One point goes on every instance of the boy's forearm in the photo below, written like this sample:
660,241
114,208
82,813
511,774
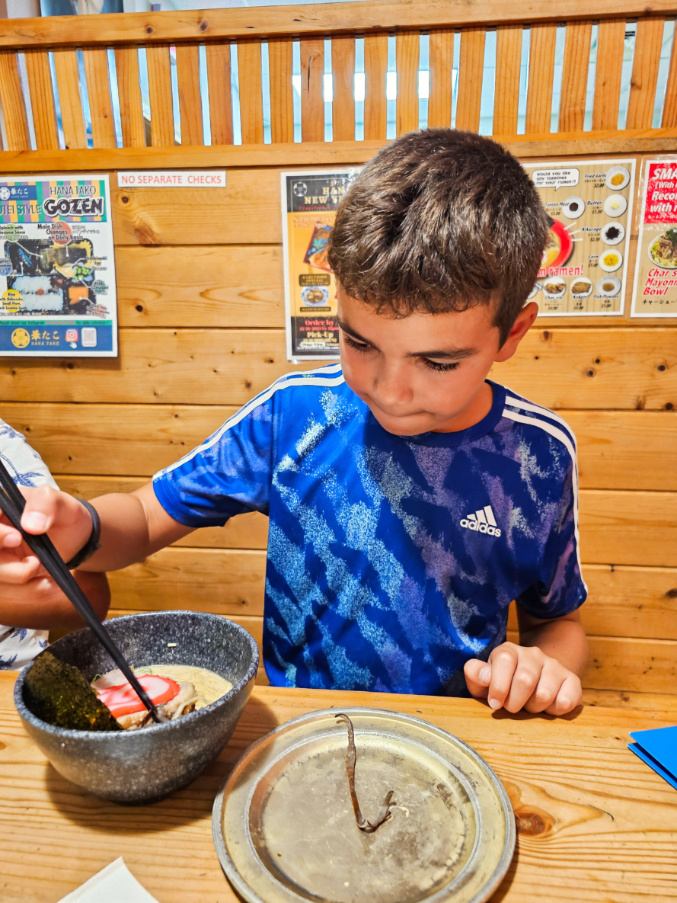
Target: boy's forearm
562,639
132,527
46,607
124,533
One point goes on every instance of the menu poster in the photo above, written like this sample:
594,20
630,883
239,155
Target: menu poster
589,206
309,202
57,269
655,289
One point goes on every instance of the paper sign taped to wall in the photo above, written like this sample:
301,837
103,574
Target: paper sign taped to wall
57,267
173,178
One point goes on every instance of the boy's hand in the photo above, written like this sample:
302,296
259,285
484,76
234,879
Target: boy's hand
40,604
47,510
523,677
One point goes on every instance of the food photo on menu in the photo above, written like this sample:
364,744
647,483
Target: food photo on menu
663,250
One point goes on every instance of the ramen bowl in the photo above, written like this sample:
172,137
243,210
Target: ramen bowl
145,765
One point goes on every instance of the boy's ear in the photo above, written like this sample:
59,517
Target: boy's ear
521,326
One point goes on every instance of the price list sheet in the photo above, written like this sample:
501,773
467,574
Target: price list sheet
589,207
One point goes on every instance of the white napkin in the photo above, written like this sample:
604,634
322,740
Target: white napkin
111,885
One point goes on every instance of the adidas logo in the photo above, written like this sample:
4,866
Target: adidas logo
483,521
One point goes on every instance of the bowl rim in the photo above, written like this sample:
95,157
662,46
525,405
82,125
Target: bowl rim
105,736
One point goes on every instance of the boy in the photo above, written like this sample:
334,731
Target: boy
410,500
47,607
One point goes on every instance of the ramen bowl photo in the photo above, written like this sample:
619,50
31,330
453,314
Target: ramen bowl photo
312,295
145,763
558,247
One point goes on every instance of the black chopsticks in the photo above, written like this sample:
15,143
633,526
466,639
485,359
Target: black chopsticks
12,504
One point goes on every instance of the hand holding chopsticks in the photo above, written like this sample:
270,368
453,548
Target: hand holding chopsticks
12,504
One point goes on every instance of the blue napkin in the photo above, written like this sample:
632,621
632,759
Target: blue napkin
658,748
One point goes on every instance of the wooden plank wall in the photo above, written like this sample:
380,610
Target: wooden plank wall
200,288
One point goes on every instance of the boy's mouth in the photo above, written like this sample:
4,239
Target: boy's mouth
377,409
400,424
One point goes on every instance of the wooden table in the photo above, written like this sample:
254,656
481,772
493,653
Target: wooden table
594,822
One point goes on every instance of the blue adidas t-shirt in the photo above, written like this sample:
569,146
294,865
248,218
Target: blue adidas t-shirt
391,560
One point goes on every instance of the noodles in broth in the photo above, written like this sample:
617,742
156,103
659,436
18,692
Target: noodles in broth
208,686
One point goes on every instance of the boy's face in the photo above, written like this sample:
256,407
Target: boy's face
424,372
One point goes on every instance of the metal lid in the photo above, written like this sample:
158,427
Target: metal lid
285,830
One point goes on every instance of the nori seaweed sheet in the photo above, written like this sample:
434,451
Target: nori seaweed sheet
59,694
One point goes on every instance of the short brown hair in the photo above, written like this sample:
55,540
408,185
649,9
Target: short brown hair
440,220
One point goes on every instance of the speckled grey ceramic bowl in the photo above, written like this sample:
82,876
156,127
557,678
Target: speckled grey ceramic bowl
145,765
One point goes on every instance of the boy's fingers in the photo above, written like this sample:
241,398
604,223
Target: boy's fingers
568,697
36,518
42,508
503,662
9,537
525,682
477,676
17,571
48,510
546,692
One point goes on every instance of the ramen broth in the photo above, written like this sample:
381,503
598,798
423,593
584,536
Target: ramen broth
552,249
208,686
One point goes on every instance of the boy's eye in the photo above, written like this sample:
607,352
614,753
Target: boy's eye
353,343
437,366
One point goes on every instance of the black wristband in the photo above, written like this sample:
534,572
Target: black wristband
92,543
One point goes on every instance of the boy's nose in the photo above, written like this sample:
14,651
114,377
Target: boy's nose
391,388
